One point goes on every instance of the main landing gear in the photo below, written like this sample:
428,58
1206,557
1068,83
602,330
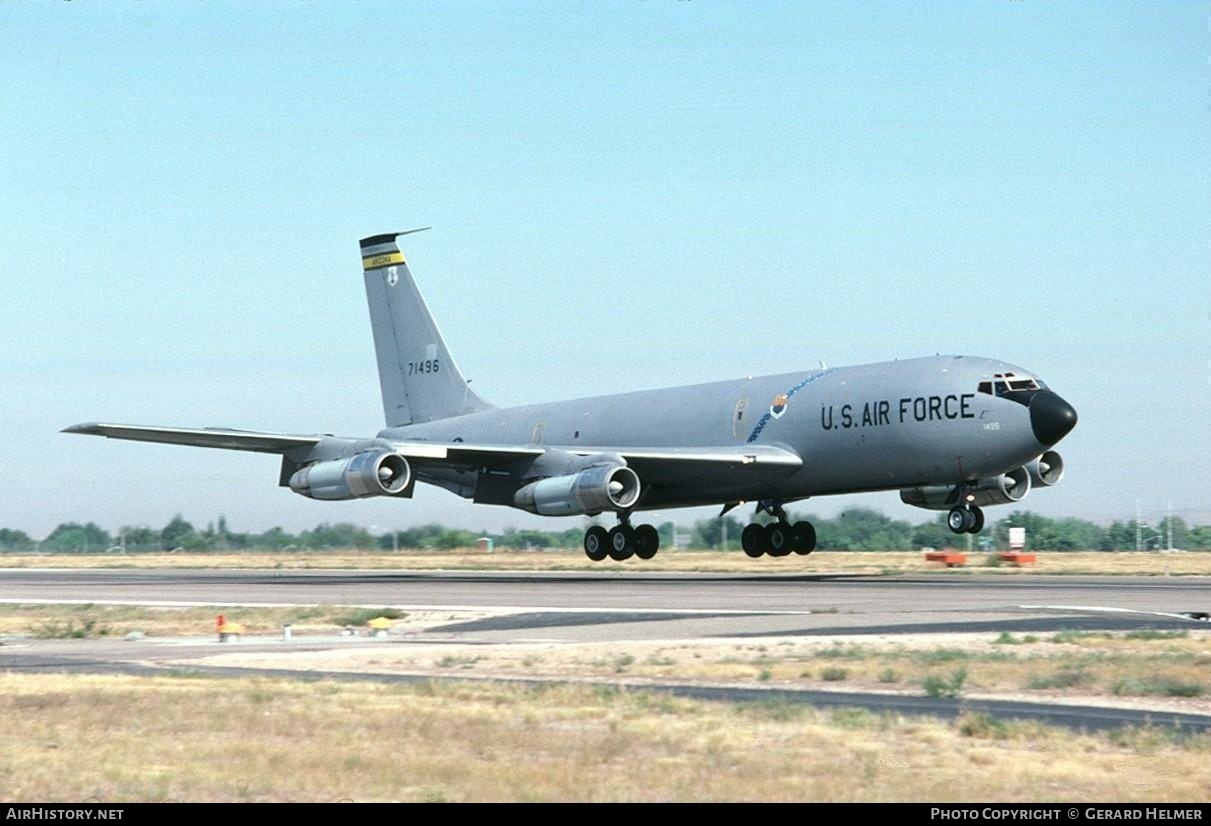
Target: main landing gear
621,541
965,519
777,538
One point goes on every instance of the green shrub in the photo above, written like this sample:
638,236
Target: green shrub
361,616
1159,685
1155,634
1064,678
946,687
982,726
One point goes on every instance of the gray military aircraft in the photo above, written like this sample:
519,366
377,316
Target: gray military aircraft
950,433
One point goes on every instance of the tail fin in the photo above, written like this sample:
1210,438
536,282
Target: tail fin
419,378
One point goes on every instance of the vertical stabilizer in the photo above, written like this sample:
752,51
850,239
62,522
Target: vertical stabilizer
419,378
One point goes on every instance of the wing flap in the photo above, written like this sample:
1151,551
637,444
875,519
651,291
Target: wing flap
711,467
764,455
660,465
497,456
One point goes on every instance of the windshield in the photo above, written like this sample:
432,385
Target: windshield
1009,385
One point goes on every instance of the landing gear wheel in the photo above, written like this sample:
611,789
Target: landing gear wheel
778,538
621,542
956,520
596,543
647,541
752,540
803,538
977,520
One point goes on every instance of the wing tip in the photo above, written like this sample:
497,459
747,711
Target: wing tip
85,428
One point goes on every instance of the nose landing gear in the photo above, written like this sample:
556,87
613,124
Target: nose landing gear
965,519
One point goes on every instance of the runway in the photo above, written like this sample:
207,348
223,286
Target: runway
495,608
609,605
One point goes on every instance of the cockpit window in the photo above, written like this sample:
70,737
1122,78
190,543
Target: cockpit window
1003,384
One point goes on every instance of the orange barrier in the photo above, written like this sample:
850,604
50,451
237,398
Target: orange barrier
1019,558
951,559
228,631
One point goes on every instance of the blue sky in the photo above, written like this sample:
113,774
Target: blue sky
624,195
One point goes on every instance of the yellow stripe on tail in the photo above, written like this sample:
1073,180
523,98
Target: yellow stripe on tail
385,260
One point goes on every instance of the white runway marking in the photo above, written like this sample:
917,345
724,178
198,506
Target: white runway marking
1105,609
493,609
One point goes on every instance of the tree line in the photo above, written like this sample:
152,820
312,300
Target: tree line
862,529
859,529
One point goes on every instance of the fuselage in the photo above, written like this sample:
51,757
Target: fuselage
890,425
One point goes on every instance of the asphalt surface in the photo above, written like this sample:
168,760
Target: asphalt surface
660,606
611,606
1080,717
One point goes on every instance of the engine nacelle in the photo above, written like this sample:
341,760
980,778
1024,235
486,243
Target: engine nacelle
1046,470
998,490
373,473
597,489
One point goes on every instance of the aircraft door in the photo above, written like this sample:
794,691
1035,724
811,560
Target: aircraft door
739,416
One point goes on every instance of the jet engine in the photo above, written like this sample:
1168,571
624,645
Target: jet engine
596,489
372,473
997,490
1046,470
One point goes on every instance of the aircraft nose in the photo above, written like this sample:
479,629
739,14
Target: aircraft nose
1050,417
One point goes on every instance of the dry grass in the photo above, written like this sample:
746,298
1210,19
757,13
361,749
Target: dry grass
1196,563
52,621
1100,668
175,738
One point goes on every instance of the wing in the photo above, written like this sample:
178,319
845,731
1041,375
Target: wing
655,465
199,437
453,454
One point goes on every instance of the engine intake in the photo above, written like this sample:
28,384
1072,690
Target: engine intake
997,490
597,489
1046,470
373,473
